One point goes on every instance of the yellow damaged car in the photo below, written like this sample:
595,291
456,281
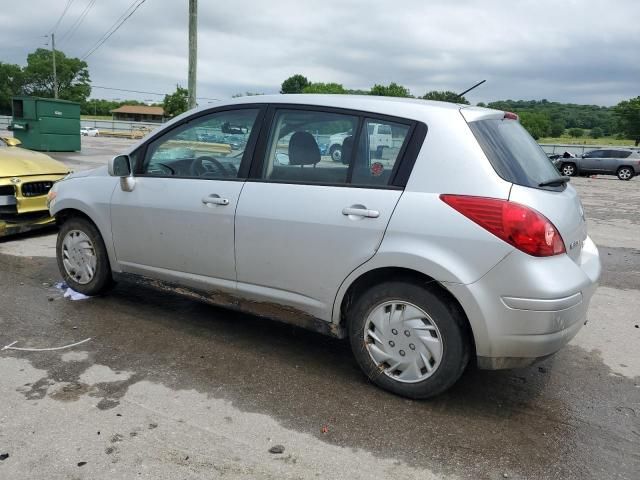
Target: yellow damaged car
25,179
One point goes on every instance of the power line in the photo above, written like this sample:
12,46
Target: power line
114,28
144,92
111,29
64,12
74,27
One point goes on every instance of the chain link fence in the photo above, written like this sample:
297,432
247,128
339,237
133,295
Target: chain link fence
130,128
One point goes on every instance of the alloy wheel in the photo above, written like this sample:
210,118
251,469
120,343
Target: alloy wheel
624,174
568,170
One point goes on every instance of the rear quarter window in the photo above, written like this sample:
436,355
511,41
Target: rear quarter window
513,153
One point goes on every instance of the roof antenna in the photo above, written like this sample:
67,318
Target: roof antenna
469,89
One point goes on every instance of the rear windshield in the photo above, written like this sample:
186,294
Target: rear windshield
513,153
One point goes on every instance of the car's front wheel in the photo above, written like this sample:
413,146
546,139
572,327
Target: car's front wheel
408,338
625,173
568,169
82,257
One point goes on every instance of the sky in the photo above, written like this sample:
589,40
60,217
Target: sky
579,51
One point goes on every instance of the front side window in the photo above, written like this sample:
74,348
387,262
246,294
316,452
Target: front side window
310,147
211,146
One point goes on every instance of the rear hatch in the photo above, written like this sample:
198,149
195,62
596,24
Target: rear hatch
517,158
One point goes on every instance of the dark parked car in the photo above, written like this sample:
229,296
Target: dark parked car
623,163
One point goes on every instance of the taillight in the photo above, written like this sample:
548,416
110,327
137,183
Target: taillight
511,116
523,227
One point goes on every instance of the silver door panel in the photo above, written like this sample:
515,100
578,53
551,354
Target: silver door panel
295,244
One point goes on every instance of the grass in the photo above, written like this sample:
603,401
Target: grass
567,140
95,117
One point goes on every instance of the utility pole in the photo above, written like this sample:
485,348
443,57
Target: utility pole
193,51
55,75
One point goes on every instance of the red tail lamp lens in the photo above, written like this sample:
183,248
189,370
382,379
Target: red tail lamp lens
511,116
523,227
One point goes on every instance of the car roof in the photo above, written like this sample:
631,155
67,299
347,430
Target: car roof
395,106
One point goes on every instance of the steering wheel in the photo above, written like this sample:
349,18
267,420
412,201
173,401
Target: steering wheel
198,169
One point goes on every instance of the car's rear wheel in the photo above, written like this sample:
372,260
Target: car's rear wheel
336,153
408,339
568,169
625,173
82,257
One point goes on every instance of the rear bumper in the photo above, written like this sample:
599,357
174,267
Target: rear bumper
528,308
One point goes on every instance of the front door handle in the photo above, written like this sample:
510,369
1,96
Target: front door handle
360,212
215,199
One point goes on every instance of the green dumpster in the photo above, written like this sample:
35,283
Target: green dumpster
46,124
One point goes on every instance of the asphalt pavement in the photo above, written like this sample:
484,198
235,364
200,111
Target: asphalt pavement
170,388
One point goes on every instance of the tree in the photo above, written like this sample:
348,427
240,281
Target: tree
177,102
391,90
628,115
73,76
481,104
537,124
596,132
294,84
557,128
445,96
576,132
324,88
11,80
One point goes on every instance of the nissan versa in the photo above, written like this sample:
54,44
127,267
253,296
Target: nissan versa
456,242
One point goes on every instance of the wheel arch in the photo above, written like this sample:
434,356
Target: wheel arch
65,212
372,277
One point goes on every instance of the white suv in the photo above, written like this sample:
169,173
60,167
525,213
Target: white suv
380,137
462,245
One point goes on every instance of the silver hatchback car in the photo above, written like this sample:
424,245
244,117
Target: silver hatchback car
455,243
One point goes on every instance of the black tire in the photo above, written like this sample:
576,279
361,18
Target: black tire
102,279
568,169
336,153
625,173
445,314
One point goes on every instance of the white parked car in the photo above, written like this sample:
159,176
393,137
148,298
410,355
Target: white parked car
89,132
379,138
463,246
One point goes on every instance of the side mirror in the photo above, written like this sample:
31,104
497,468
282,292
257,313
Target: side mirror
120,166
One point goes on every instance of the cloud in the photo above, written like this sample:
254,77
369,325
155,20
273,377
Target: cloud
579,51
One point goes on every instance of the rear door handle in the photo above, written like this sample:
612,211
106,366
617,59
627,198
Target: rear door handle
360,212
215,199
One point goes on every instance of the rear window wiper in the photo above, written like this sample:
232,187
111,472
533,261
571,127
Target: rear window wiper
555,182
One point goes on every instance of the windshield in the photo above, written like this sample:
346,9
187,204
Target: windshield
513,153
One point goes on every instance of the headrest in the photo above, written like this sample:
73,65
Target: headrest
303,149
347,149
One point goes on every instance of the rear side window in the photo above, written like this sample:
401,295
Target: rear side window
622,154
310,147
378,153
513,153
